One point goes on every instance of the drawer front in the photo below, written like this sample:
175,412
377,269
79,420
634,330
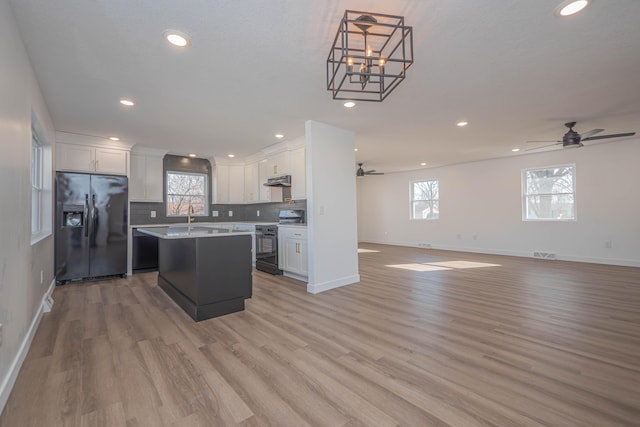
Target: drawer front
293,233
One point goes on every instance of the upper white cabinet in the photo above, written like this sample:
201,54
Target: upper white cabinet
278,164
236,184
298,174
228,183
146,177
81,153
243,181
252,182
80,158
268,194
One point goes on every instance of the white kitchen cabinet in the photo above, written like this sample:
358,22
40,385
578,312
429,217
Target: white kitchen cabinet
85,158
267,194
298,174
146,176
252,183
293,251
228,181
236,184
278,164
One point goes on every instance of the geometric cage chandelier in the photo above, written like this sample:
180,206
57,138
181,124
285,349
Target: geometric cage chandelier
369,57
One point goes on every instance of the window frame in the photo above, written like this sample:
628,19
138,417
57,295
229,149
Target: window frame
205,194
42,212
525,194
37,169
412,200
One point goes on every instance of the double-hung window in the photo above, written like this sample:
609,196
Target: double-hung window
548,194
187,191
425,200
36,185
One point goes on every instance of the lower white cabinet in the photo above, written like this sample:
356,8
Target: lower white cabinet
293,250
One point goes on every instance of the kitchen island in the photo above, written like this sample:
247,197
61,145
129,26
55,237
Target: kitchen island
206,270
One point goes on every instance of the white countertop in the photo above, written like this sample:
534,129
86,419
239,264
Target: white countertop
292,225
189,231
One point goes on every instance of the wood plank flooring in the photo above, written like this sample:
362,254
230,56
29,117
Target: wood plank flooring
428,338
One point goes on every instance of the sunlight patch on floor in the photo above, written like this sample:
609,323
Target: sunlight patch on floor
418,267
364,251
445,265
463,264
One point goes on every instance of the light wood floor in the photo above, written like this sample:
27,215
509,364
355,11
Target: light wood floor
447,339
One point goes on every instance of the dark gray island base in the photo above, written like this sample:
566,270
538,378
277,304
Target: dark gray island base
206,276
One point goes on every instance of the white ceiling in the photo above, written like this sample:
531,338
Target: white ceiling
514,70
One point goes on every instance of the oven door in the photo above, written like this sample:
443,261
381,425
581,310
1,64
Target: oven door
266,248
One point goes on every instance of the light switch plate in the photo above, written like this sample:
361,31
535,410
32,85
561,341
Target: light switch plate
258,212
214,213
230,213
153,214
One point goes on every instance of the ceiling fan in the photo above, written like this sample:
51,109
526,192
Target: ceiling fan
575,139
362,172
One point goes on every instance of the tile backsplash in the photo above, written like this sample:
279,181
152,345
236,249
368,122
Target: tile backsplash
140,212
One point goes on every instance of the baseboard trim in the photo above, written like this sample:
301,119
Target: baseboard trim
316,288
14,369
525,254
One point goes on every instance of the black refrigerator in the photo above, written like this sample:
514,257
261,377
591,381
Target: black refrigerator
91,226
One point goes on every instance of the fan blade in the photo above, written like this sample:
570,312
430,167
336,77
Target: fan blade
548,140
544,146
617,135
591,132
374,173
371,171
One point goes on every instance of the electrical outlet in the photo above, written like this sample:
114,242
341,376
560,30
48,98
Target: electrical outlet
475,237
153,214
459,236
607,244
258,212
230,213
214,213
41,277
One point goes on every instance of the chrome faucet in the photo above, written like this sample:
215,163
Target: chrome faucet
190,211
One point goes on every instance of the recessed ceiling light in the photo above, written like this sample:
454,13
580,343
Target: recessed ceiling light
192,155
279,135
114,138
515,150
349,104
423,164
355,149
127,102
462,124
231,155
570,7
177,38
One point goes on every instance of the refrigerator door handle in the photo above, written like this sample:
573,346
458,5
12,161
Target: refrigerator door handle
93,214
85,215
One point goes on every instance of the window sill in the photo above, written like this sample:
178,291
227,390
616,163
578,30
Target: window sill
35,238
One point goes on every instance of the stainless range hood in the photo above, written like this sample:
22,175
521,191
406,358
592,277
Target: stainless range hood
279,181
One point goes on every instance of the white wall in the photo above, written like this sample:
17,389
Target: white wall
331,207
483,199
21,292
